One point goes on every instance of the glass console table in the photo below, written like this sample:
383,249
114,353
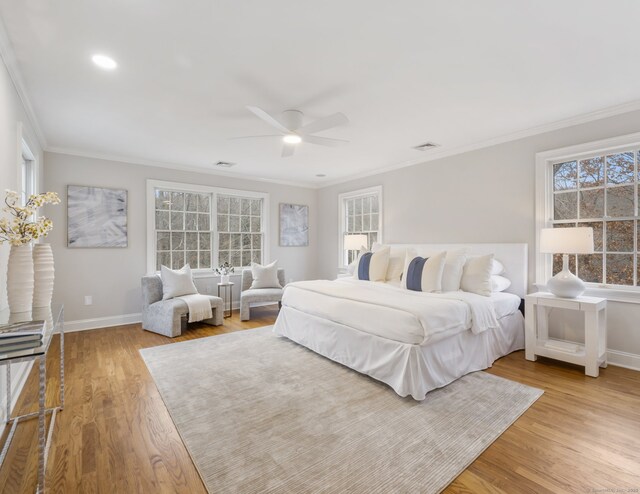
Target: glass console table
53,318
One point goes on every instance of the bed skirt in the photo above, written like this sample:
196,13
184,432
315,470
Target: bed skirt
411,370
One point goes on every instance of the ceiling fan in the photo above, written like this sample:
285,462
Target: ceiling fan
292,132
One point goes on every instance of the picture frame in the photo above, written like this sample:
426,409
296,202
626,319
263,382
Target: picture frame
294,225
96,217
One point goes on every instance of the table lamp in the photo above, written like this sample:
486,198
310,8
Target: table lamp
355,241
566,241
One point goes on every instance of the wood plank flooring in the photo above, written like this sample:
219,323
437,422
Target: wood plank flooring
115,434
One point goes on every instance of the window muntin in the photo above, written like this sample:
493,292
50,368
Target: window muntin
183,229
600,191
239,231
206,227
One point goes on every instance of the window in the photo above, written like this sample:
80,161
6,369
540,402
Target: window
239,230
595,188
27,173
360,213
204,226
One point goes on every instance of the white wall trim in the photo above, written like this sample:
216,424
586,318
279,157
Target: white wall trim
433,155
513,136
101,322
10,61
151,243
209,169
623,359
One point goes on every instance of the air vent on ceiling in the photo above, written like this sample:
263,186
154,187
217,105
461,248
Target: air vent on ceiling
426,146
225,164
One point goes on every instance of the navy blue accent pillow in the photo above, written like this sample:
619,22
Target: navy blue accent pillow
414,273
363,266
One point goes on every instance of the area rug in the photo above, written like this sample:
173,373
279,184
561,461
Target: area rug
261,414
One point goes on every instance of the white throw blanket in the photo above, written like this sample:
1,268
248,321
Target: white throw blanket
395,313
199,307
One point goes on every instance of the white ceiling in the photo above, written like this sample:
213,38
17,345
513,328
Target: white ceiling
405,72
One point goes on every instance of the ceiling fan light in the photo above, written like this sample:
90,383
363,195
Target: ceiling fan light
292,139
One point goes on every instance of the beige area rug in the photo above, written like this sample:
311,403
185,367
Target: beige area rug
261,414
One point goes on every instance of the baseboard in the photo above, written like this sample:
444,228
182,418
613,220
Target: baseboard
101,322
121,320
623,359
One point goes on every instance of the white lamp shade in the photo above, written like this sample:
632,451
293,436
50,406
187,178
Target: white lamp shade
354,242
566,240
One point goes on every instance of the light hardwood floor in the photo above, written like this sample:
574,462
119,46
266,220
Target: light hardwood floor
115,434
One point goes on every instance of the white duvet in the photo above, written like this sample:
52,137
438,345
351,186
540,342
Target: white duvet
392,312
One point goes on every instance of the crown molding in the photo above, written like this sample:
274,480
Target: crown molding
11,63
175,166
513,136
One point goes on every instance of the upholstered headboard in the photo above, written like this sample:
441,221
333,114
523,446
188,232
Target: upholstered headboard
512,256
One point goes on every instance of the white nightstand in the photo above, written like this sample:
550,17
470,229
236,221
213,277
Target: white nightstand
593,354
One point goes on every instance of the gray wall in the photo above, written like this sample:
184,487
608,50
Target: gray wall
480,196
112,276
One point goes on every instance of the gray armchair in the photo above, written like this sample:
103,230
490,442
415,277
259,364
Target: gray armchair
169,317
257,295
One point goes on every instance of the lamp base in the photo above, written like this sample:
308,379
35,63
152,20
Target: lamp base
566,284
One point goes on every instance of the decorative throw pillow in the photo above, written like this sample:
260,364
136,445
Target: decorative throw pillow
265,276
396,262
423,274
372,266
177,282
499,283
476,277
453,267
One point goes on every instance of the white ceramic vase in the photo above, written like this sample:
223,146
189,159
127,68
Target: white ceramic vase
20,278
44,274
224,279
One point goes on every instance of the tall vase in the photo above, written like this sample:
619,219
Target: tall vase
43,275
20,278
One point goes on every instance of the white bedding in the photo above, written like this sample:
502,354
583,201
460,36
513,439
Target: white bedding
395,313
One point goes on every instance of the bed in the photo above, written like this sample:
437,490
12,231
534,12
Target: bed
413,341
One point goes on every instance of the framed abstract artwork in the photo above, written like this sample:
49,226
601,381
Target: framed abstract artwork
96,217
294,225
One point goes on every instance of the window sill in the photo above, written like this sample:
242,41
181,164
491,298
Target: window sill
623,296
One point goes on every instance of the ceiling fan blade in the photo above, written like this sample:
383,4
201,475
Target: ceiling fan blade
288,149
254,137
324,123
263,115
324,141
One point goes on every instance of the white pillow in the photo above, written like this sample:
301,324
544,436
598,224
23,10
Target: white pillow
177,282
265,276
499,283
352,267
497,267
372,266
396,262
476,276
423,274
453,267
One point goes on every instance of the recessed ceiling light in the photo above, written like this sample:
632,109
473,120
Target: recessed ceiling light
104,62
320,175
292,139
225,164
